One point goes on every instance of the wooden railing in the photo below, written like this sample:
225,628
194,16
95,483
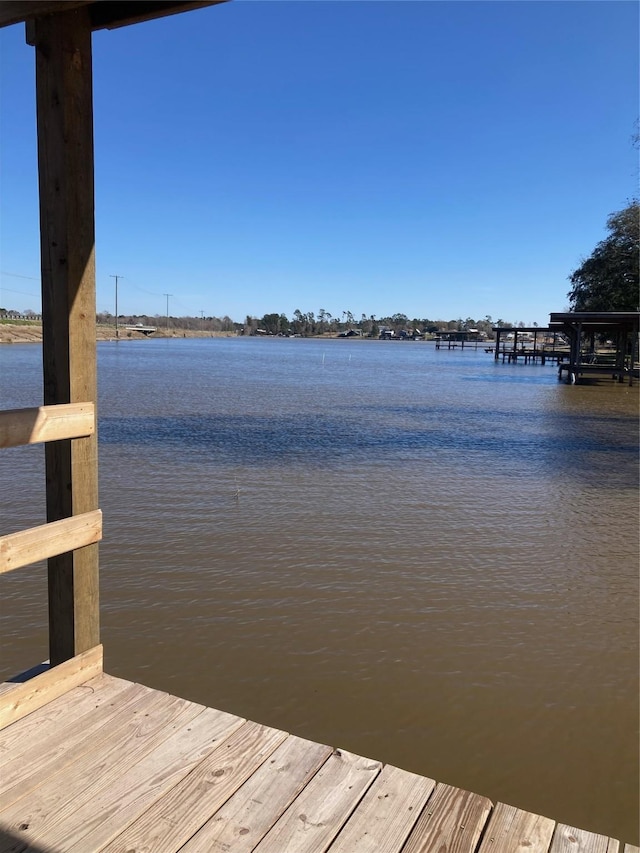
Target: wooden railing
46,423
62,423
32,426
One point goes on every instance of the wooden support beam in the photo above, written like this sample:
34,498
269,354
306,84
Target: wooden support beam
21,698
121,13
46,423
49,540
103,13
65,165
15,11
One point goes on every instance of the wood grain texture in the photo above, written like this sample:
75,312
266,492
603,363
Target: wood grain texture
96,818
49,540
174,818
570,839
59,719
115,767
51,719
46,812
25,698
511,830
251,812
452,820
387,813
64,108
46,423
314,819
47,756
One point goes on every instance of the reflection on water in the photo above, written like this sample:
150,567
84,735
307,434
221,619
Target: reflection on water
421,556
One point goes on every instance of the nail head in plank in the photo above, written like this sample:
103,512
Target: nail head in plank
385,817
94,820
182,811
314,819
48,815
54,714
570,839
251,812
511,830
47,756
452,820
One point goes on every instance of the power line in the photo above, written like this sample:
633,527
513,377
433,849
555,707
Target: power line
17,275
21,292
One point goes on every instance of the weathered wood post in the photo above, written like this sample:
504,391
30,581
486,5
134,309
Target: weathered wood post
64,106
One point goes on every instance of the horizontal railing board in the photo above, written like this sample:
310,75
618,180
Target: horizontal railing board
49,540
24,698
46,423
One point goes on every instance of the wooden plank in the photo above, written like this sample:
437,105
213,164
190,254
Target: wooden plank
452,820
59,714
149,724
46,423
48,540
6,686
184,809
385,817
46,756
251,812
50,717
28,697
96,816
569,839
511,830
314,819
64,108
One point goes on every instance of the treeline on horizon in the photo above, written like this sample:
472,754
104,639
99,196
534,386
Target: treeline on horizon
608,280
309,324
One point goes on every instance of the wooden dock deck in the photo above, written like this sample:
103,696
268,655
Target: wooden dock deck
112,766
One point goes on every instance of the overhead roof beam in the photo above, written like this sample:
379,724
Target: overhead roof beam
103,14
121,13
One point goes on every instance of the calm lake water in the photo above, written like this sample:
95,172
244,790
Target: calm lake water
424,557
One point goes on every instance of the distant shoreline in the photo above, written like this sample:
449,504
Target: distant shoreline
31,333
25,333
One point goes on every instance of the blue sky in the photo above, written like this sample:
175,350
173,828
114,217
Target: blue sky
438,159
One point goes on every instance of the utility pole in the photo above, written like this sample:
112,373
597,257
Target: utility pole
167,295
202,320
116,278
